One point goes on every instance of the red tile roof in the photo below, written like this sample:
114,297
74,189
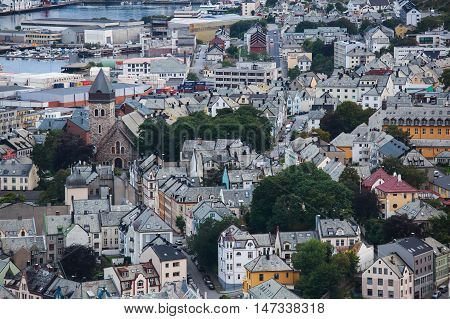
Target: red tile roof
378,174
394,185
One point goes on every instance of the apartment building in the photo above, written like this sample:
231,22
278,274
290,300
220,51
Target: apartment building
18,175
388,277
170,264
245,73
350,54
418,255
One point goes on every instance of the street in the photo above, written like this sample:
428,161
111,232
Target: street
199,59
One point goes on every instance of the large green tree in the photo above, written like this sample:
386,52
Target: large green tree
346,118
204,243
79,263
246,123
60,150
322,272
292,199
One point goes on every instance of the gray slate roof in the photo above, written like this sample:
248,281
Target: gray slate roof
271,289
267,263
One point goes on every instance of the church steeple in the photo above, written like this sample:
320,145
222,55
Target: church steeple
101,90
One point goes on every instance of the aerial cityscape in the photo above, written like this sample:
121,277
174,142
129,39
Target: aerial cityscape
224,149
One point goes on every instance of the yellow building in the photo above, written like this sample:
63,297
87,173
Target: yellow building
267,267
428,127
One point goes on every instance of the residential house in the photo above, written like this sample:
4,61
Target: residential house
236,248
419,256
271,289
441,261
134,280
169,263
268,266
388,277
31,282
138,228
342,234
7,270
207,208
18,174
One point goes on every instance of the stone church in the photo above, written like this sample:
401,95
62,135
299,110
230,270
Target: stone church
113,140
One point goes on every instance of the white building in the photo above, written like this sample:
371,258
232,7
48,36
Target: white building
154,71
249,7
245,73
389,277
236,248
350,54
409,13
138,229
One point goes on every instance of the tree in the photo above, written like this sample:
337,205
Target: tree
53,188
414,177
329,7
365,206
445,78
429,23
204,243
60,150
292,199
392,23
180,223
344,23
322,56
322,272
346,118
440,228
79,263
339,7
12,198
307,25
310,255
192,77
398,226
246,123
293,73
398,134
350,179
322,134
365,24
233,52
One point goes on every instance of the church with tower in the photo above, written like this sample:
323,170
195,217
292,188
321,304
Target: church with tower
113,140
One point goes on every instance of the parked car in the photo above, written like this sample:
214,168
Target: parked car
436,294
443,288
200,268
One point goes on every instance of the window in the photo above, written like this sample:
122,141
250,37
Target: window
261,277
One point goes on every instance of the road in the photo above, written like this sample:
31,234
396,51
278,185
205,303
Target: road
197,276
198,64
